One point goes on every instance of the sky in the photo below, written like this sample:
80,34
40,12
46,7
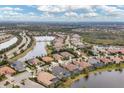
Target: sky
64,13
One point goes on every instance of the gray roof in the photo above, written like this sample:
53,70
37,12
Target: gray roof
61,72
93,61
19,66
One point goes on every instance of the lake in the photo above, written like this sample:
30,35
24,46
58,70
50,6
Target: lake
39,49
113,79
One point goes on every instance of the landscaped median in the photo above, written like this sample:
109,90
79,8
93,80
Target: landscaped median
110,67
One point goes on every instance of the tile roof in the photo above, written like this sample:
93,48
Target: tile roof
47,59
116,59
105,60
19,66
33,61
82,64
45,78
6,70
57,70
70,67
57,57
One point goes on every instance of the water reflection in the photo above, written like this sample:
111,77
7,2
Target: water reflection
113,79
39,49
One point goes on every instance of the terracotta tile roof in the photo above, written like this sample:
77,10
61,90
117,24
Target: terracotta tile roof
66,54
112,51
70,67
105,60
116,59
57,57
121,51
45,78
82,64
47,59
6,70
122,57
116,51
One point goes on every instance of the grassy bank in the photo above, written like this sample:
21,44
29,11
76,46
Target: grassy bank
68,83
25,52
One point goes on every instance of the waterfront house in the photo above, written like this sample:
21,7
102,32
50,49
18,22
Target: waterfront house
121,51
19,66
72,68
82,65
122,57
116,59
60,72
105,60
95,62
5,70
47,79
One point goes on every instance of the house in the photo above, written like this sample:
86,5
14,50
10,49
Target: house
71,67
57,57
5,70
33,61
19,66
47,79
121,51
116,59
95,62
60,72
82,64
66,54
122,57
105,60
112,51
47,59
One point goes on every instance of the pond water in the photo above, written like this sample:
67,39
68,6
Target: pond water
8,43
113,79
39,49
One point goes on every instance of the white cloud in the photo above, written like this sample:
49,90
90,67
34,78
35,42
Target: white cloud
45,8
93,14
71,14
10,9
62,8
112,10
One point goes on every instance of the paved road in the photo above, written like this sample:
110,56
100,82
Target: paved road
17,79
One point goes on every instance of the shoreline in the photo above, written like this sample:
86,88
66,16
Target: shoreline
68,83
